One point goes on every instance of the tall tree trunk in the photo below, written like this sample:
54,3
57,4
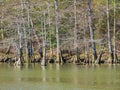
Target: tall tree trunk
85,41
111,57
29,40
91,31
41,46
2,35
57,33
75,33
23,25
1,25
51,53
21,58
75,25
115,53
19,49
30,45
44,42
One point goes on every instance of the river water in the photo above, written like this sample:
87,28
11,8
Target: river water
60,77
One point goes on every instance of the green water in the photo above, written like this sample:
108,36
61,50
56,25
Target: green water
60,77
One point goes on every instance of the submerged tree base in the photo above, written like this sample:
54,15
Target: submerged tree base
65,58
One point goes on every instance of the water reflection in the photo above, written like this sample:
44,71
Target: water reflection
43,73
66,76
57,75
29,65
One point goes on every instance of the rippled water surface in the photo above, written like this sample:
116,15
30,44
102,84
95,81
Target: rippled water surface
60,77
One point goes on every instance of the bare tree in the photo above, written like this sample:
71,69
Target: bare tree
21,58
57,32
75,33
91,31
75,25
1,21
49,16
115,53
85,40
23,25
111,57
2,16
29,45
19,48
44,42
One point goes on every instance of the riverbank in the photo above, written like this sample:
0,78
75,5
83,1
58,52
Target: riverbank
66,58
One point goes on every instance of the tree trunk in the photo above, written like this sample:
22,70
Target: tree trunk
111,57
115,53
44,42
98,61
21,58
30,45
29,40
85,41
57,33
75,25
41,47
91,31
75,34
2,17
23,25
51,53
